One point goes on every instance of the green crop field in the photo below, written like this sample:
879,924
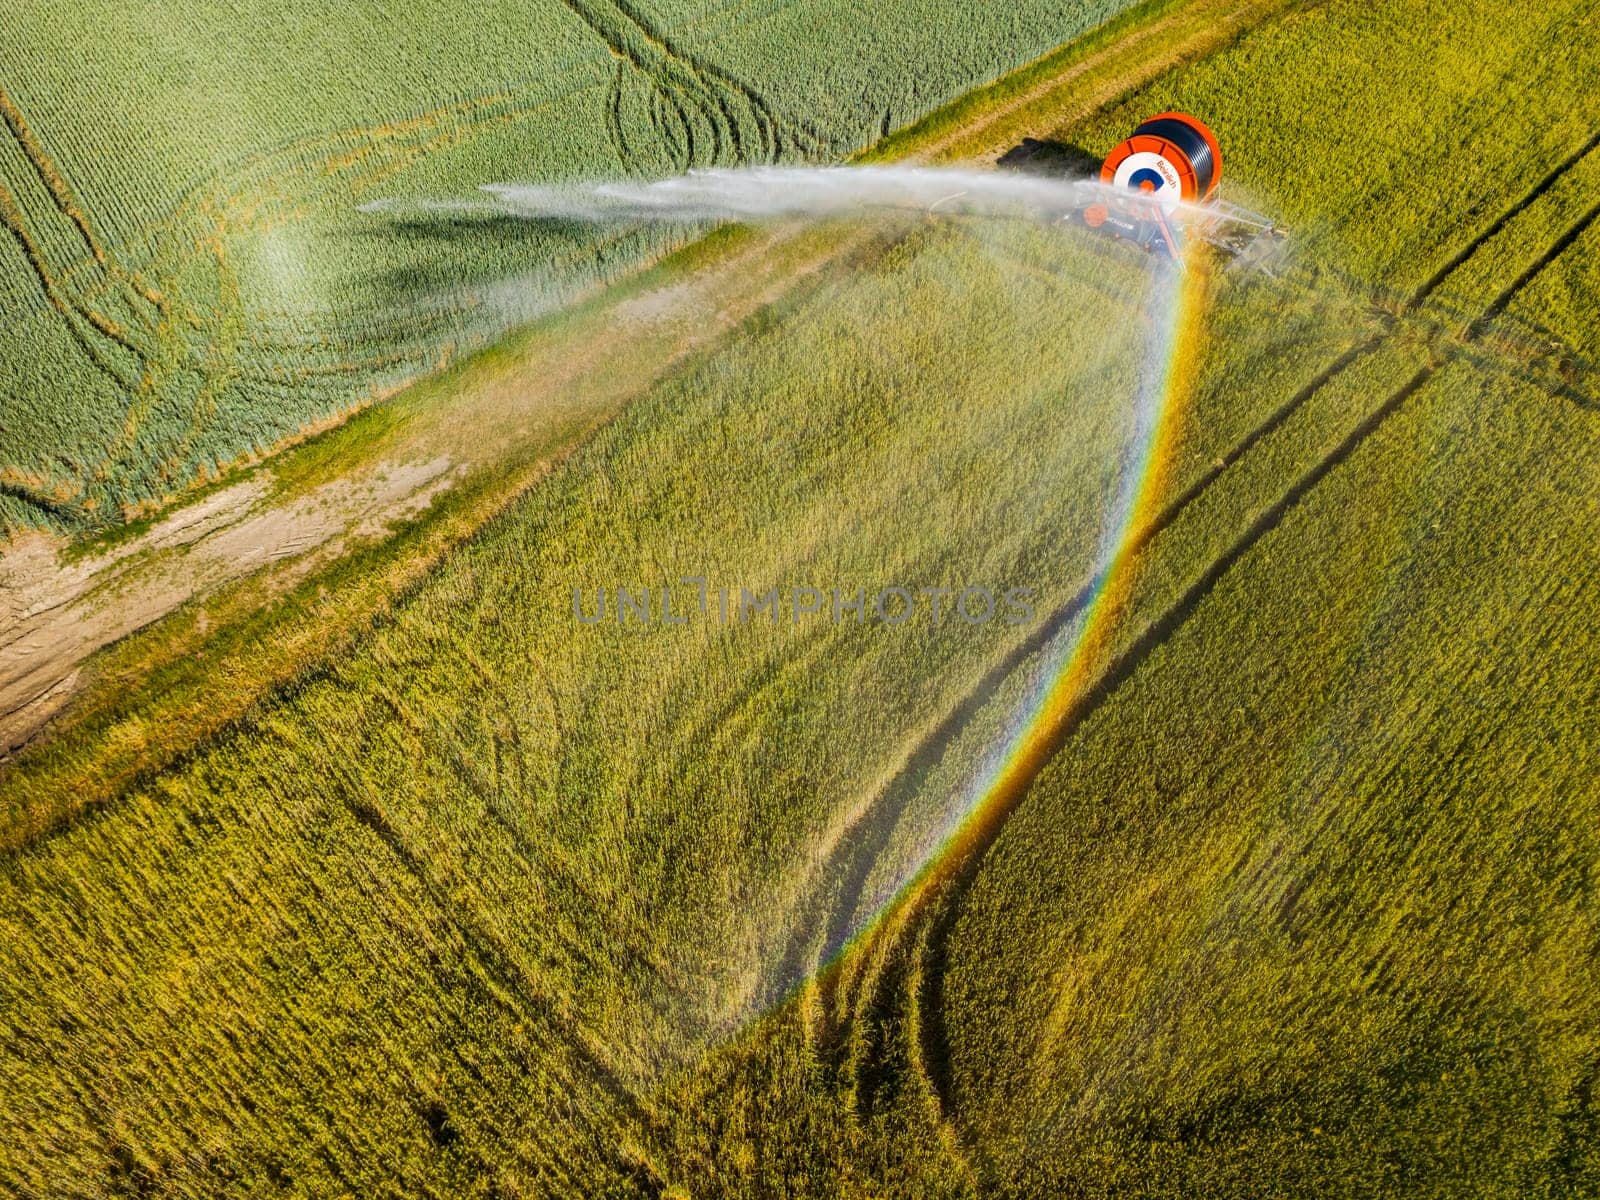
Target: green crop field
1256,857
187,279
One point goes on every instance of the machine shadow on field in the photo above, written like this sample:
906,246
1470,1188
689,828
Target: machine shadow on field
1045,156
446,253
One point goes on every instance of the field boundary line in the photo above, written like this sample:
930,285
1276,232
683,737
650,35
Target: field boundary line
966,116
1051,82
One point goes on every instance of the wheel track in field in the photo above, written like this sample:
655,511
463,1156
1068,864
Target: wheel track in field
128,352
87,326
511,986
686,94
1476,329
135,355
924,928
1496,227
64,201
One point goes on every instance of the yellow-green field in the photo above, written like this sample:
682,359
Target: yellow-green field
1259,861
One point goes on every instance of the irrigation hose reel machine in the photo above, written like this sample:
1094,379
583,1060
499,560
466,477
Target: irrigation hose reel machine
1164,183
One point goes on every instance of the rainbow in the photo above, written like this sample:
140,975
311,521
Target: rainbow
1176,331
